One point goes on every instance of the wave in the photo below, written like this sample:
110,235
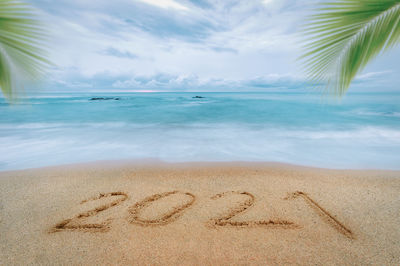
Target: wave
290,128
362,147
375,113
360,132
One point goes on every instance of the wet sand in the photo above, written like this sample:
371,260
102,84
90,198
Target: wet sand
154,213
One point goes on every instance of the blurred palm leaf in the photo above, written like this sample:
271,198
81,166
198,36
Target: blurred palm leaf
343,36
22,56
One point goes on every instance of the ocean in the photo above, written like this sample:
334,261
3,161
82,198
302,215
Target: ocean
360,131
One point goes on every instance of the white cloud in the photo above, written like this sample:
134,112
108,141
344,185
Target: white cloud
168,82
165,4
267,2
372,75
257,44
227,41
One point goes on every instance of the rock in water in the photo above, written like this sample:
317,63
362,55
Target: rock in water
104,99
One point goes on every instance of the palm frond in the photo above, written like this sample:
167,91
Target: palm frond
343,36
22,53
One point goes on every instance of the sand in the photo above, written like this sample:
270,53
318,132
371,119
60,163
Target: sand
235,213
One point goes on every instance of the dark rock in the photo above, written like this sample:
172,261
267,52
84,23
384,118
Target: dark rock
104,99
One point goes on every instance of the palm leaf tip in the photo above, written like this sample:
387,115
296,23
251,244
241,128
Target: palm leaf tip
22,56
342,37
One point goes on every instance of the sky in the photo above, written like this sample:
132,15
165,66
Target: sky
186,45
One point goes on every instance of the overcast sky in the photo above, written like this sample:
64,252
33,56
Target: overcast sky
186,45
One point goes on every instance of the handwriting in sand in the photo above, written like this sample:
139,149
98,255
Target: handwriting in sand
170,216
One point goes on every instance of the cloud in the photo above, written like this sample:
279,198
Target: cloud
267,2
165,4
372,75
224,50
168,82
118,53
207,44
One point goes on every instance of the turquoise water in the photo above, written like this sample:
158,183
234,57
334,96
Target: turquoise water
361,131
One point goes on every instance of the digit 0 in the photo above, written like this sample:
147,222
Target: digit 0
167,218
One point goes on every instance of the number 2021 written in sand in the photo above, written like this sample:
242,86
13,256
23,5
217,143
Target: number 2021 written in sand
134,213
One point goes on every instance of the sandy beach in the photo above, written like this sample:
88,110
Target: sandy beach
154,213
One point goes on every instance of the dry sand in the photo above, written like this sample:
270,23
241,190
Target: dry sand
199,214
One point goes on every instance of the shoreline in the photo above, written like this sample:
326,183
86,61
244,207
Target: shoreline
225,213
155,161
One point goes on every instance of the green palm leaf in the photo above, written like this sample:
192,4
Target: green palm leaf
343,36
22,56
